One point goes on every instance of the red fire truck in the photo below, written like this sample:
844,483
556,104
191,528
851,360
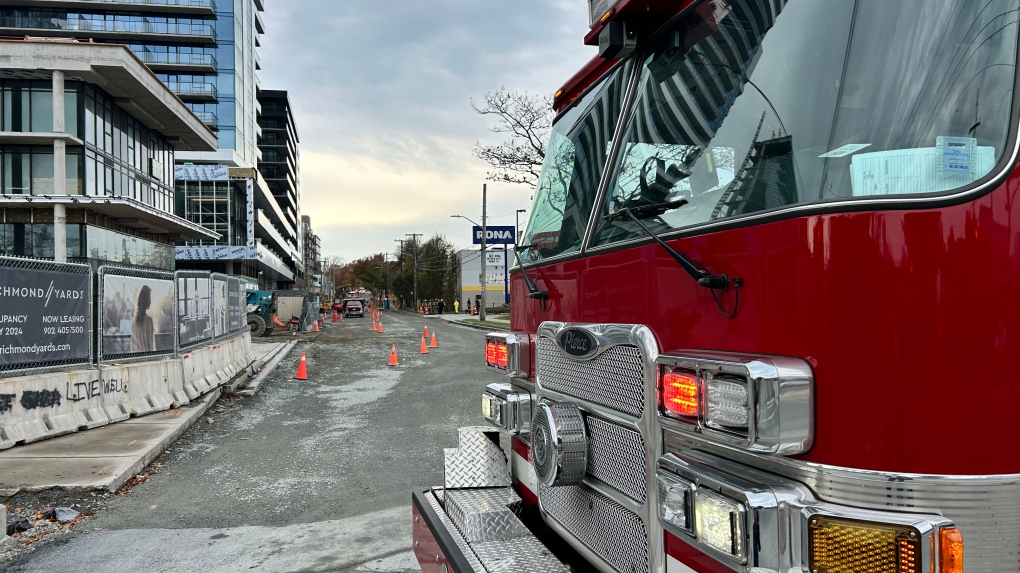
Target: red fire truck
764,313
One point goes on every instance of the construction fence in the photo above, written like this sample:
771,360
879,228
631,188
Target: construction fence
60,316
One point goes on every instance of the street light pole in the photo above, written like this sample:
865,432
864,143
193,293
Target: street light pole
481,312
414,256
517,227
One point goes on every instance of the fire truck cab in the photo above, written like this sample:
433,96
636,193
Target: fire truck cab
764,315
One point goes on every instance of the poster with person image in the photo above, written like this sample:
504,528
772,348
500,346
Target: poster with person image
138,315
194,309
219,288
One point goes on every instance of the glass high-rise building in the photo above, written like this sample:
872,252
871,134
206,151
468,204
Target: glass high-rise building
205,51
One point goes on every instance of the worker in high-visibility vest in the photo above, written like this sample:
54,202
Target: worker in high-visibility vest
456,307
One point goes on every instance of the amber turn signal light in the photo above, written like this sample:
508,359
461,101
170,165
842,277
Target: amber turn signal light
950,550
842,545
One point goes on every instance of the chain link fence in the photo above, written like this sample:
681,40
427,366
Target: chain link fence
194,308
137,318
46,311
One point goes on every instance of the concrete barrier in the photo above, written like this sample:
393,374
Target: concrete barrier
43,406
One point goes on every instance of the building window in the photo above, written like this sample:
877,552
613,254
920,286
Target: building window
124,158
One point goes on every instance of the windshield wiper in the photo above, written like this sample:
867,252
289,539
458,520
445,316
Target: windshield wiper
533,291
700,274
646,211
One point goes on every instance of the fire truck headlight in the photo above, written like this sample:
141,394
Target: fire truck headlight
719,523
726,402
506,408
492,409
676,497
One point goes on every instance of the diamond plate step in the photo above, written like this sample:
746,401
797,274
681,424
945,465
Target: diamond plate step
477,461
485,514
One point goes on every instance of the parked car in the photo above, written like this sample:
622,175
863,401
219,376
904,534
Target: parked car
354,308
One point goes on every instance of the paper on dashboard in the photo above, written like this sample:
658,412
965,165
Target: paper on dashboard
920,170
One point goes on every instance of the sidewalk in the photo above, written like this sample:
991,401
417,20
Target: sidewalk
493,322
106,458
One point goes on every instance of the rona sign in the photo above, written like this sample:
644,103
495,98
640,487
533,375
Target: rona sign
494,235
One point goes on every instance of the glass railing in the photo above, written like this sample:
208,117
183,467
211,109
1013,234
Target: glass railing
78,23
193,89
207,117
175,59
184,3
110,246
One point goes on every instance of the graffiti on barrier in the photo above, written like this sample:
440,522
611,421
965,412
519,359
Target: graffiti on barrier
31,399
80,391
115,387
6,402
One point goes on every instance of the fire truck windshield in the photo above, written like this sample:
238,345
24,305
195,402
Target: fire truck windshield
574,160
748,107
742,110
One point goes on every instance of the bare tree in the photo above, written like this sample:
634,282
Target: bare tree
526,120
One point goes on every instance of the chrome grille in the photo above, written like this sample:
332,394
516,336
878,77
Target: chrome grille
613,379
610,530
616,456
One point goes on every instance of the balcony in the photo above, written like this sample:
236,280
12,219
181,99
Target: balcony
176,62
196,91
78,26
203,7
209,118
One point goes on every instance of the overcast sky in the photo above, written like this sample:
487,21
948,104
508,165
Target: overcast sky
382,91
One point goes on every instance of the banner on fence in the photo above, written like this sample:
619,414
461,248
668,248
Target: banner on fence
138,315
219,293
237,299
194,308
45,314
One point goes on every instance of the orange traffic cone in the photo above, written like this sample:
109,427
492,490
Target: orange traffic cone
433,345
302,369
424,348
393,356
373,325
380,327
426,335
334,316
316,329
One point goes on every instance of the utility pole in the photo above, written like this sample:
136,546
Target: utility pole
401,259
414,256
481,311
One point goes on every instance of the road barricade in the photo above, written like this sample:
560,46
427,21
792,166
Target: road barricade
47,405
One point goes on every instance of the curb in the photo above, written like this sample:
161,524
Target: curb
464,323
203,406
271,362
484,327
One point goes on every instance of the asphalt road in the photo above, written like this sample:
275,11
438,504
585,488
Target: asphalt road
304,476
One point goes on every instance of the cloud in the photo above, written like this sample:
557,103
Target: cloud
382,92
